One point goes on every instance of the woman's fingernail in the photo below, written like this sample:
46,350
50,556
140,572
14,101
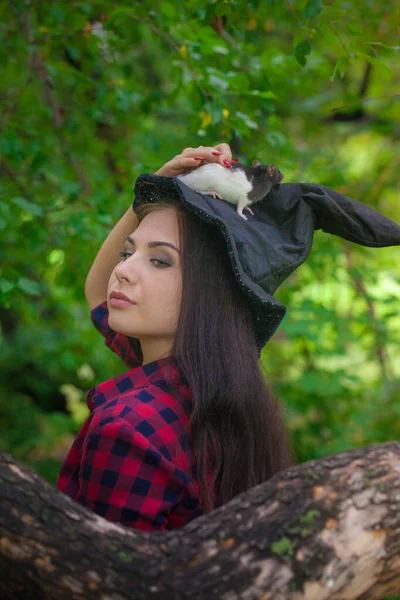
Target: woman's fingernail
228,164
198,158
235,160
216,153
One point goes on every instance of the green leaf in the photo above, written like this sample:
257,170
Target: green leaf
393,49
58,13
276,138
218,82
220,50
74,52
341,66
312,9
222,9
28,286
70,187
27,206
249,122
301,51
354,27
5,286
85,8
168,9
268,95
56,257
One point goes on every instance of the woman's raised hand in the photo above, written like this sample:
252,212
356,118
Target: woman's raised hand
190,158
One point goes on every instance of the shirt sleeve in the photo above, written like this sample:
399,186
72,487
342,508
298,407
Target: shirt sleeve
127,348
126,479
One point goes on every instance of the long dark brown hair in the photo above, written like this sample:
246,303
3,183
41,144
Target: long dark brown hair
237,427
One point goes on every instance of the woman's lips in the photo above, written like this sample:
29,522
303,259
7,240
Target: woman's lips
119,300
120,303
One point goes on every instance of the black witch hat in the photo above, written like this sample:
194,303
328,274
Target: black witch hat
270,245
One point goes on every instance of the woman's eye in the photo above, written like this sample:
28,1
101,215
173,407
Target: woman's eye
161,263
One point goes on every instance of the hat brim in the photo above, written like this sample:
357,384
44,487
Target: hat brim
267,311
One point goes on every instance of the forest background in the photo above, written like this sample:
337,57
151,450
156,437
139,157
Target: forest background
95,93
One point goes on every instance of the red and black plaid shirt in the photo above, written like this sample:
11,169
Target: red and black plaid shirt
124,464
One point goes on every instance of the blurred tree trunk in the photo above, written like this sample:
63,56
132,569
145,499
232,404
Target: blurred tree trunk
328,528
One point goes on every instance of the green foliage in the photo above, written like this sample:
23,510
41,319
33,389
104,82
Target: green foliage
94,94
284,547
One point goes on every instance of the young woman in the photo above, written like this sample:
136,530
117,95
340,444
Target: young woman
192,423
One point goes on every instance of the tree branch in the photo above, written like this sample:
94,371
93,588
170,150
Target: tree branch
326,529
9,110
14,178
365,100
360,287
365,80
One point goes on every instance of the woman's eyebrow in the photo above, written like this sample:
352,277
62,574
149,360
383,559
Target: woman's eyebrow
152,244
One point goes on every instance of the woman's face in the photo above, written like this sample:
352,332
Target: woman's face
151,279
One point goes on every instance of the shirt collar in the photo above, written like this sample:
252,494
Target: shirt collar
164,369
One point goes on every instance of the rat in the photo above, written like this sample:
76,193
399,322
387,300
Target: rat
240,185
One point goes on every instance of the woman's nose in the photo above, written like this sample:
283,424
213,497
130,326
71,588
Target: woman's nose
125,270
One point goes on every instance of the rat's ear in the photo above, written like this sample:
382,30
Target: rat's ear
271,170
255,163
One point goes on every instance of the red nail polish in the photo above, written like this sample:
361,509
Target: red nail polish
228,164
198,158
235,160
216,153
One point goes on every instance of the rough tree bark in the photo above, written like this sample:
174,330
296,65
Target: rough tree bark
328,528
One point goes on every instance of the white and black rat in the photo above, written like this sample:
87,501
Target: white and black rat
239,185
